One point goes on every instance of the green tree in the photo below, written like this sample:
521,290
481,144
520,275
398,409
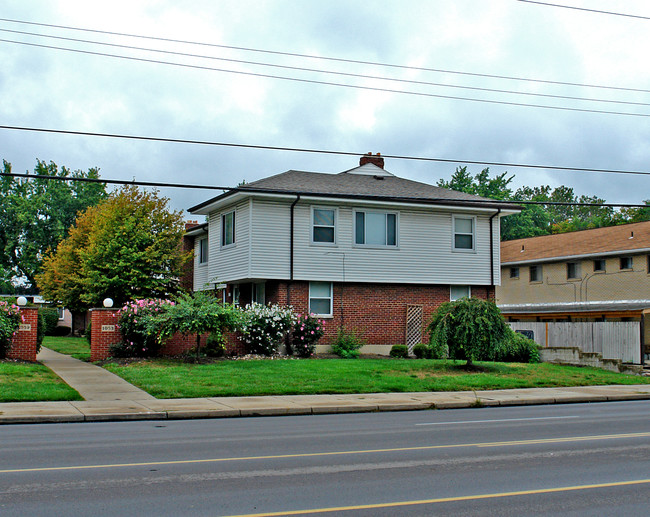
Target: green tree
196,314
36,214
468,329
125,248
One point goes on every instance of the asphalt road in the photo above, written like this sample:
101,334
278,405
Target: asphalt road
574,459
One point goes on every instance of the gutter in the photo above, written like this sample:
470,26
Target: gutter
492,248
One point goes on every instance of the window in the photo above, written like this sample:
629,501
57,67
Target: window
203,250
648,265
375,228
259,293
320,298
626,263
323,225
535,273
235,294
463,233
573,270
61,313
514,272
599,265
228,229
456,292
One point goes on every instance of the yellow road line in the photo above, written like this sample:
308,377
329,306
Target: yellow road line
447,499
333,453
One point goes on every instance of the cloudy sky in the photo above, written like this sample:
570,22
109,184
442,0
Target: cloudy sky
204,100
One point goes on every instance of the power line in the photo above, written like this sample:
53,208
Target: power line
321,151
330,72
326,58
328,83
160,184
547,4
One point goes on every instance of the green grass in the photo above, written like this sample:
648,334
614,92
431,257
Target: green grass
75,346
22,382
166,378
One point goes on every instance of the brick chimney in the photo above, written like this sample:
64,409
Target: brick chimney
190,224
374,159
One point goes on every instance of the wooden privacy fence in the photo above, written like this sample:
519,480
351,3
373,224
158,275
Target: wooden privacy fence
612,339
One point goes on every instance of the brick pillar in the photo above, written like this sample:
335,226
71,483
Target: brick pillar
104,332
24,342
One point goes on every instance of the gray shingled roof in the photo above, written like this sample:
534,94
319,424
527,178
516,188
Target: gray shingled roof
349,184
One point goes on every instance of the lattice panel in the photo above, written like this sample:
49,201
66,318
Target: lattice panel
413,326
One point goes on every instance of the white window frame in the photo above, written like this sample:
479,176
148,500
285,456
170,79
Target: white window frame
468,295
454,233
330,299
60,313
203,251
385,213
313,225
235,294
223,229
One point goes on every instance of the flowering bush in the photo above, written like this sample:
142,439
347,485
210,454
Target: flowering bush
307,330
10,318
264,327
140,323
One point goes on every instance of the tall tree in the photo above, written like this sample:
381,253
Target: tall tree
36,213
125,248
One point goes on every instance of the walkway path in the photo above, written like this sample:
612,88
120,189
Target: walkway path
90,381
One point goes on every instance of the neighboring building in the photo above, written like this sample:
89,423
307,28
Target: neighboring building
601,274
363,249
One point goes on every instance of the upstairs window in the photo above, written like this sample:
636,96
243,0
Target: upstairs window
573,270
514,273
228,229
599,265
626,263
464,233
535,273
203,250
323,225
375,228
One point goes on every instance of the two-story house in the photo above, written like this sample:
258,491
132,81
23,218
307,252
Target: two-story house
362,249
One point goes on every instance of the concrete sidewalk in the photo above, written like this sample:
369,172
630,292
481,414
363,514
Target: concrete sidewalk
109,398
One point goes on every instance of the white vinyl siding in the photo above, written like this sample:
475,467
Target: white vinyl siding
229,263
201,277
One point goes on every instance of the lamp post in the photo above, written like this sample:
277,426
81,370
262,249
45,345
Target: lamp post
21,301
108,303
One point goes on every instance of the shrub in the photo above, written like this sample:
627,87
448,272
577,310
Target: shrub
140,325
517,348
469,329
347,344
61,330
51,319
421,351
399,351
264,327
41,325
215,345
307,330
10,319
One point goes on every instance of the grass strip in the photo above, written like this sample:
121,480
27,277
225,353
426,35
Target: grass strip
77,347
32,382
167,378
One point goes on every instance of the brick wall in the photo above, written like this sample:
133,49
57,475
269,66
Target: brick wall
104,332
24,342
378,311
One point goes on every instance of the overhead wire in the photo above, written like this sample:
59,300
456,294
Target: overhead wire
329,72
327,58
322,151
329,83
160,184
548,4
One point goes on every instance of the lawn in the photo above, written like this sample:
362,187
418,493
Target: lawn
166,378
23,382
75,346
